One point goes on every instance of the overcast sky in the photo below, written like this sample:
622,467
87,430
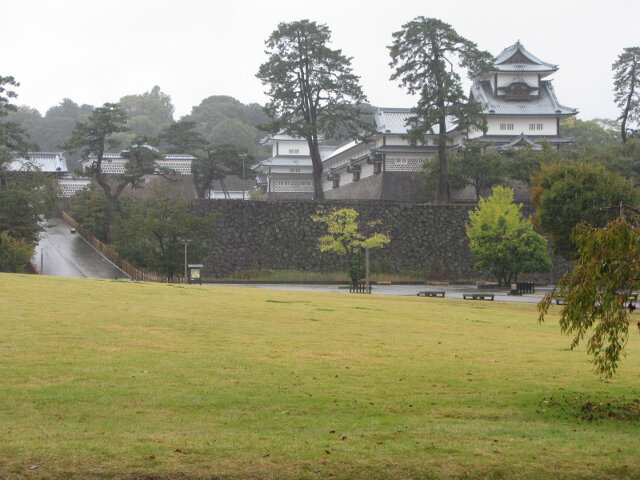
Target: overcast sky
98,51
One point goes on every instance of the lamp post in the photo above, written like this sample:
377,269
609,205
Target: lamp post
186,242
243,155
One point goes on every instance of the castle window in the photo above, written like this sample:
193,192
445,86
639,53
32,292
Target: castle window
293,151
336,181
506,126
294,170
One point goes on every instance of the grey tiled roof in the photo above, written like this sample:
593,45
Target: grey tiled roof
407,149
505,62
287,161
233,183
545,104
394,120
168,156
49,162
505,139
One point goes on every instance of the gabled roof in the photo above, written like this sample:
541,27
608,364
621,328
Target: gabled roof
48,162
285,161
516,58
394,121
282,137
545,103
521,139
517,80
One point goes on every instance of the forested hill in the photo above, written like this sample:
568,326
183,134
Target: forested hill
220,118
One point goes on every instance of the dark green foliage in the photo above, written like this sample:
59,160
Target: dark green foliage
568,193
523,163
471,165
626,86
14,253
89,208
597,291
357,267
589,133
148,232
213,162
423,54
26,198
181,137
312,89
221,119
94,137
151,232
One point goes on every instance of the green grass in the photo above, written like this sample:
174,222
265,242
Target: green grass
268,275
127,380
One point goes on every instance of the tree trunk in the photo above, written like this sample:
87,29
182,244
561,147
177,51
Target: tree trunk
625,114
442,194
316,161
111,213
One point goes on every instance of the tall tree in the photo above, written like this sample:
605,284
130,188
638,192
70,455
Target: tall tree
312,89
626,85
93,137
424,54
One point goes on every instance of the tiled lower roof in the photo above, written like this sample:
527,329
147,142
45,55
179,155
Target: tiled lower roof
502,139
545,104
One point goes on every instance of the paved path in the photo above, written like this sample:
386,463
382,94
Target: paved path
451,291
66,254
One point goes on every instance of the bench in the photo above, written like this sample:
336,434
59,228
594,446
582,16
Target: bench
478,296
560,300
432,293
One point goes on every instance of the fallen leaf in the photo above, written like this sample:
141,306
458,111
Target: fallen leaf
332,431
343,437
152,457
268,454
327,452
33,467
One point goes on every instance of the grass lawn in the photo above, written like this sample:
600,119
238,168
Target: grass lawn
116,379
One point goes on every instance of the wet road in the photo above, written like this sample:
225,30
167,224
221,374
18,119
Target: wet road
66,254
451,291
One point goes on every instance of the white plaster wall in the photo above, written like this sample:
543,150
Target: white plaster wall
521,125
287,169
283,147
366,170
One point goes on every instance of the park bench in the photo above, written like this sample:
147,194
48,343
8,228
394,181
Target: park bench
359,287
478,296
633,298
432,293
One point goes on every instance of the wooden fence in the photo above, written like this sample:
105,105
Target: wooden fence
117,260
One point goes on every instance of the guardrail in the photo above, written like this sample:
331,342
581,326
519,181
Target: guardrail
117,260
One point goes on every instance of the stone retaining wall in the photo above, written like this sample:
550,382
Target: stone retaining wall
253,235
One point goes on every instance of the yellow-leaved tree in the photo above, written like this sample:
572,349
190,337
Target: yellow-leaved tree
344,238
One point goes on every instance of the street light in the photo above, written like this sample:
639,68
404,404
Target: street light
243,156
186,242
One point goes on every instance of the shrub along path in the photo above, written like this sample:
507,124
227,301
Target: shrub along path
103,378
